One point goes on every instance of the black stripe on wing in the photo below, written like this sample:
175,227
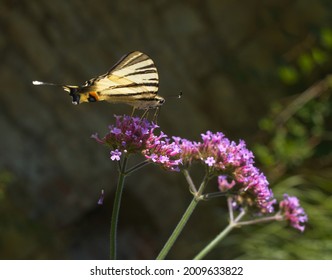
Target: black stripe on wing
131,94
136,57
141,72
146,67
129,60
133,85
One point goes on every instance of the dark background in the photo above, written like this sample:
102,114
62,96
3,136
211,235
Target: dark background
231,59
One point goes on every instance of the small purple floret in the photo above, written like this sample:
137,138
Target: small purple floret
293,212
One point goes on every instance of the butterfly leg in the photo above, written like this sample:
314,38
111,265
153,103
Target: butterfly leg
132,112
156,114
145,114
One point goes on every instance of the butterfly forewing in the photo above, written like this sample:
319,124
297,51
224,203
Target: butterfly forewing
134,74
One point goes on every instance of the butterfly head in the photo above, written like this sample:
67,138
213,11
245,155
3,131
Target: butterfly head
74,93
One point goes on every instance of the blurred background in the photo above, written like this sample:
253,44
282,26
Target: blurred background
255,70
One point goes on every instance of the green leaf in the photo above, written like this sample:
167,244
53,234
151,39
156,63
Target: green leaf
289,75
319,56
326,37
306,63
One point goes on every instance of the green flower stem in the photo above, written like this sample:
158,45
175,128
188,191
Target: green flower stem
136,167
192,187
230,209
170,242
276,217
219,237
116,209
214,195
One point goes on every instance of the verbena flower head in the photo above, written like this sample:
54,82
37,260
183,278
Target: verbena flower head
160,150
189,150
216,151
223,153
292,211
233,163
130,135
127,135
254,189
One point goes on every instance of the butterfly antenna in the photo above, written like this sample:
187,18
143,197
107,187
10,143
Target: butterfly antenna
65,87
39,83
178,96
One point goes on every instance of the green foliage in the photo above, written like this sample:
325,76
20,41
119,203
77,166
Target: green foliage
326,37
307,58
289,75
306,63
297,156
292,142
319,56
296,152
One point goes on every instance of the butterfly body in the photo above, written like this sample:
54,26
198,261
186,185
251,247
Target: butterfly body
133,81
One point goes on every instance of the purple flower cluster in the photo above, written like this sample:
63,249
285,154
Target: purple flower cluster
224,154
160,150
228,159
127,135
293,212
189,150
131,135
232,162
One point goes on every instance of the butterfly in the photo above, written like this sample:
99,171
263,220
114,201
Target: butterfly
133,80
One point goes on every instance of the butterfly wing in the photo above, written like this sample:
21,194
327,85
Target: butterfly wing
134,76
